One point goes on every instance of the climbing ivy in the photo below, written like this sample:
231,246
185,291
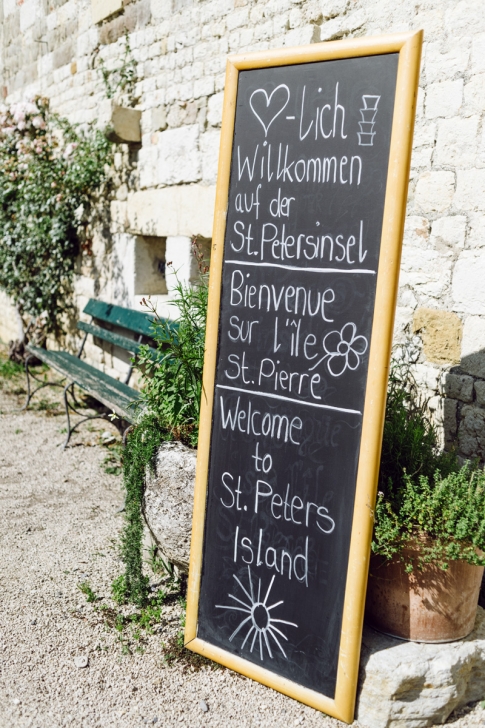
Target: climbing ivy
139,454
120,82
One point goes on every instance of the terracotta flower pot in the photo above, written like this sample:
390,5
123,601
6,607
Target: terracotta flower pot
431,605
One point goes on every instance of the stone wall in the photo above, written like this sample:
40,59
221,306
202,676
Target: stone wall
165,185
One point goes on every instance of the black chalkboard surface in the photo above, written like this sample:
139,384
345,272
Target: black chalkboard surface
308,177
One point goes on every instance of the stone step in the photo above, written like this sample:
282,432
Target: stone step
416,685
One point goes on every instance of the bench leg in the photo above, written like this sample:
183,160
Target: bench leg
126,432
66,405
30,375
69,390
29,395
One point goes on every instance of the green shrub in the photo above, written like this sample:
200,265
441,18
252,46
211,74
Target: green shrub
50,173
450,510
168,409
172,381
410,444
423,490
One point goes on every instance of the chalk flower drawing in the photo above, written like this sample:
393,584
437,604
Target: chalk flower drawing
344,349
259,621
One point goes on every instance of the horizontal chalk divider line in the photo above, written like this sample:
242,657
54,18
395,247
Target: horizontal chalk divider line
303,270
288,399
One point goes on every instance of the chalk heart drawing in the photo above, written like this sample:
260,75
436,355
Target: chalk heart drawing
259,622
267,108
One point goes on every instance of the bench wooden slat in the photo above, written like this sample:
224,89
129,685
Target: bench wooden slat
112,338
127,318
112,393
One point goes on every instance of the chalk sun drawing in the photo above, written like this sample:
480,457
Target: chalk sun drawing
259,621
263,111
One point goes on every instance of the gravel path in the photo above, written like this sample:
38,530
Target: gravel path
59,528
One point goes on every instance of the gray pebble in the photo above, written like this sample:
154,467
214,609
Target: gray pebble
203,706
107,438
81,660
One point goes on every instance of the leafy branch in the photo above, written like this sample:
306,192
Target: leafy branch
424,495
121,80
50,176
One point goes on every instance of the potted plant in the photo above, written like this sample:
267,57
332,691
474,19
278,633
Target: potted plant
429,537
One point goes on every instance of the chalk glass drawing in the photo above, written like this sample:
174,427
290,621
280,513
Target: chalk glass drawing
368,113
259,623
344,349
260,104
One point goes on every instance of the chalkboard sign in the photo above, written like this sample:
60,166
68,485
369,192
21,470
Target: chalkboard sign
309,214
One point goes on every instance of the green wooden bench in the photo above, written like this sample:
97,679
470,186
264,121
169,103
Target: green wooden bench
115,395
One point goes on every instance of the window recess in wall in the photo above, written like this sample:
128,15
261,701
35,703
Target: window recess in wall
150,262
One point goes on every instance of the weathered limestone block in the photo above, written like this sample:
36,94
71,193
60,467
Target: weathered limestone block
209,146
471,432
168,501
480,392
427,377
447,64
413,685
444,99
467,287
102,9
456,20
475,94
30,13
184,265
338,26
416,232
159,119
9,326
403,316
214,109
457,141
473,347
449,231
478,53
177,210
470,189
441,333
476,221
459,386
174,159
125,124
434,191
450,407
426,271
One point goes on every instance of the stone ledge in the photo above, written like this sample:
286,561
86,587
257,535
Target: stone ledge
168,501
172,211
102,9
416,685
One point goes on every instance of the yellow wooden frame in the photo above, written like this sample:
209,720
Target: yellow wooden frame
408,45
